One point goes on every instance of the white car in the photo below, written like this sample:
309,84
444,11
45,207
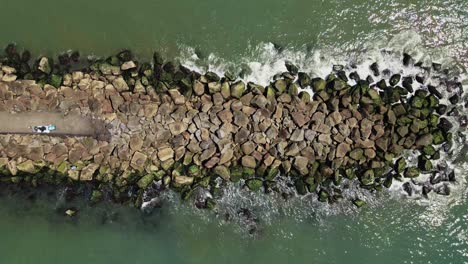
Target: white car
44,129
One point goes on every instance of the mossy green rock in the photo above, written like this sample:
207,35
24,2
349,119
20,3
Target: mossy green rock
356,154
400,165
248,173
367,177
236,173
417,102
237,89
56,80
411,172
424,163
303,79
27,167
210,203
438,137
395,79
301,187
359,203
304,96
222,171
193,171
318,84
254,184
145,181
105,68
323,196
96,196
280,86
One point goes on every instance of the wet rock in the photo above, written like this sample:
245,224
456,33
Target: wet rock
444,125
254,184
407,59
454,99
237,89
411,172
395,79
442,190
374,67
303,79
359,203
318,85
408,188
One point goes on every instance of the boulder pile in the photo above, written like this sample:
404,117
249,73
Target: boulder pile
190,130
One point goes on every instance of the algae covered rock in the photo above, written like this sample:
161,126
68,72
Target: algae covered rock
254,184
27,166
145,181
96,196
237,89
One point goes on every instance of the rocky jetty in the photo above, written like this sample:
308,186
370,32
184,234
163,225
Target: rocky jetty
189,130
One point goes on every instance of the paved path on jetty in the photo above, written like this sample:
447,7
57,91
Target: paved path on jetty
71,125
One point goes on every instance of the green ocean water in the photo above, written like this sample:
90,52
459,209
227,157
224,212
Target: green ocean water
235,34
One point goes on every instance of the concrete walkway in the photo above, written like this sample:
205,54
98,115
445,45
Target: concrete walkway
72,125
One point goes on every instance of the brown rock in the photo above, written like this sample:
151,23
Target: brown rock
165,154
424,140
212,162
249,162
248,147
198,88
241,136
178,128
325,139
226,154
150,110
177,98
300,163
136,143
207,153
225,116
299,118
342,149
366,128
88,172
297,135
240,119
370,153
335,118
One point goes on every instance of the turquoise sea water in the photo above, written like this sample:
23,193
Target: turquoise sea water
221,35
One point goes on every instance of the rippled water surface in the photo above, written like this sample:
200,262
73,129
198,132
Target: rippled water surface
234,35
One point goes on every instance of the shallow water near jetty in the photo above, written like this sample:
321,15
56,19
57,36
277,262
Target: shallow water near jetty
395,231
235,35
